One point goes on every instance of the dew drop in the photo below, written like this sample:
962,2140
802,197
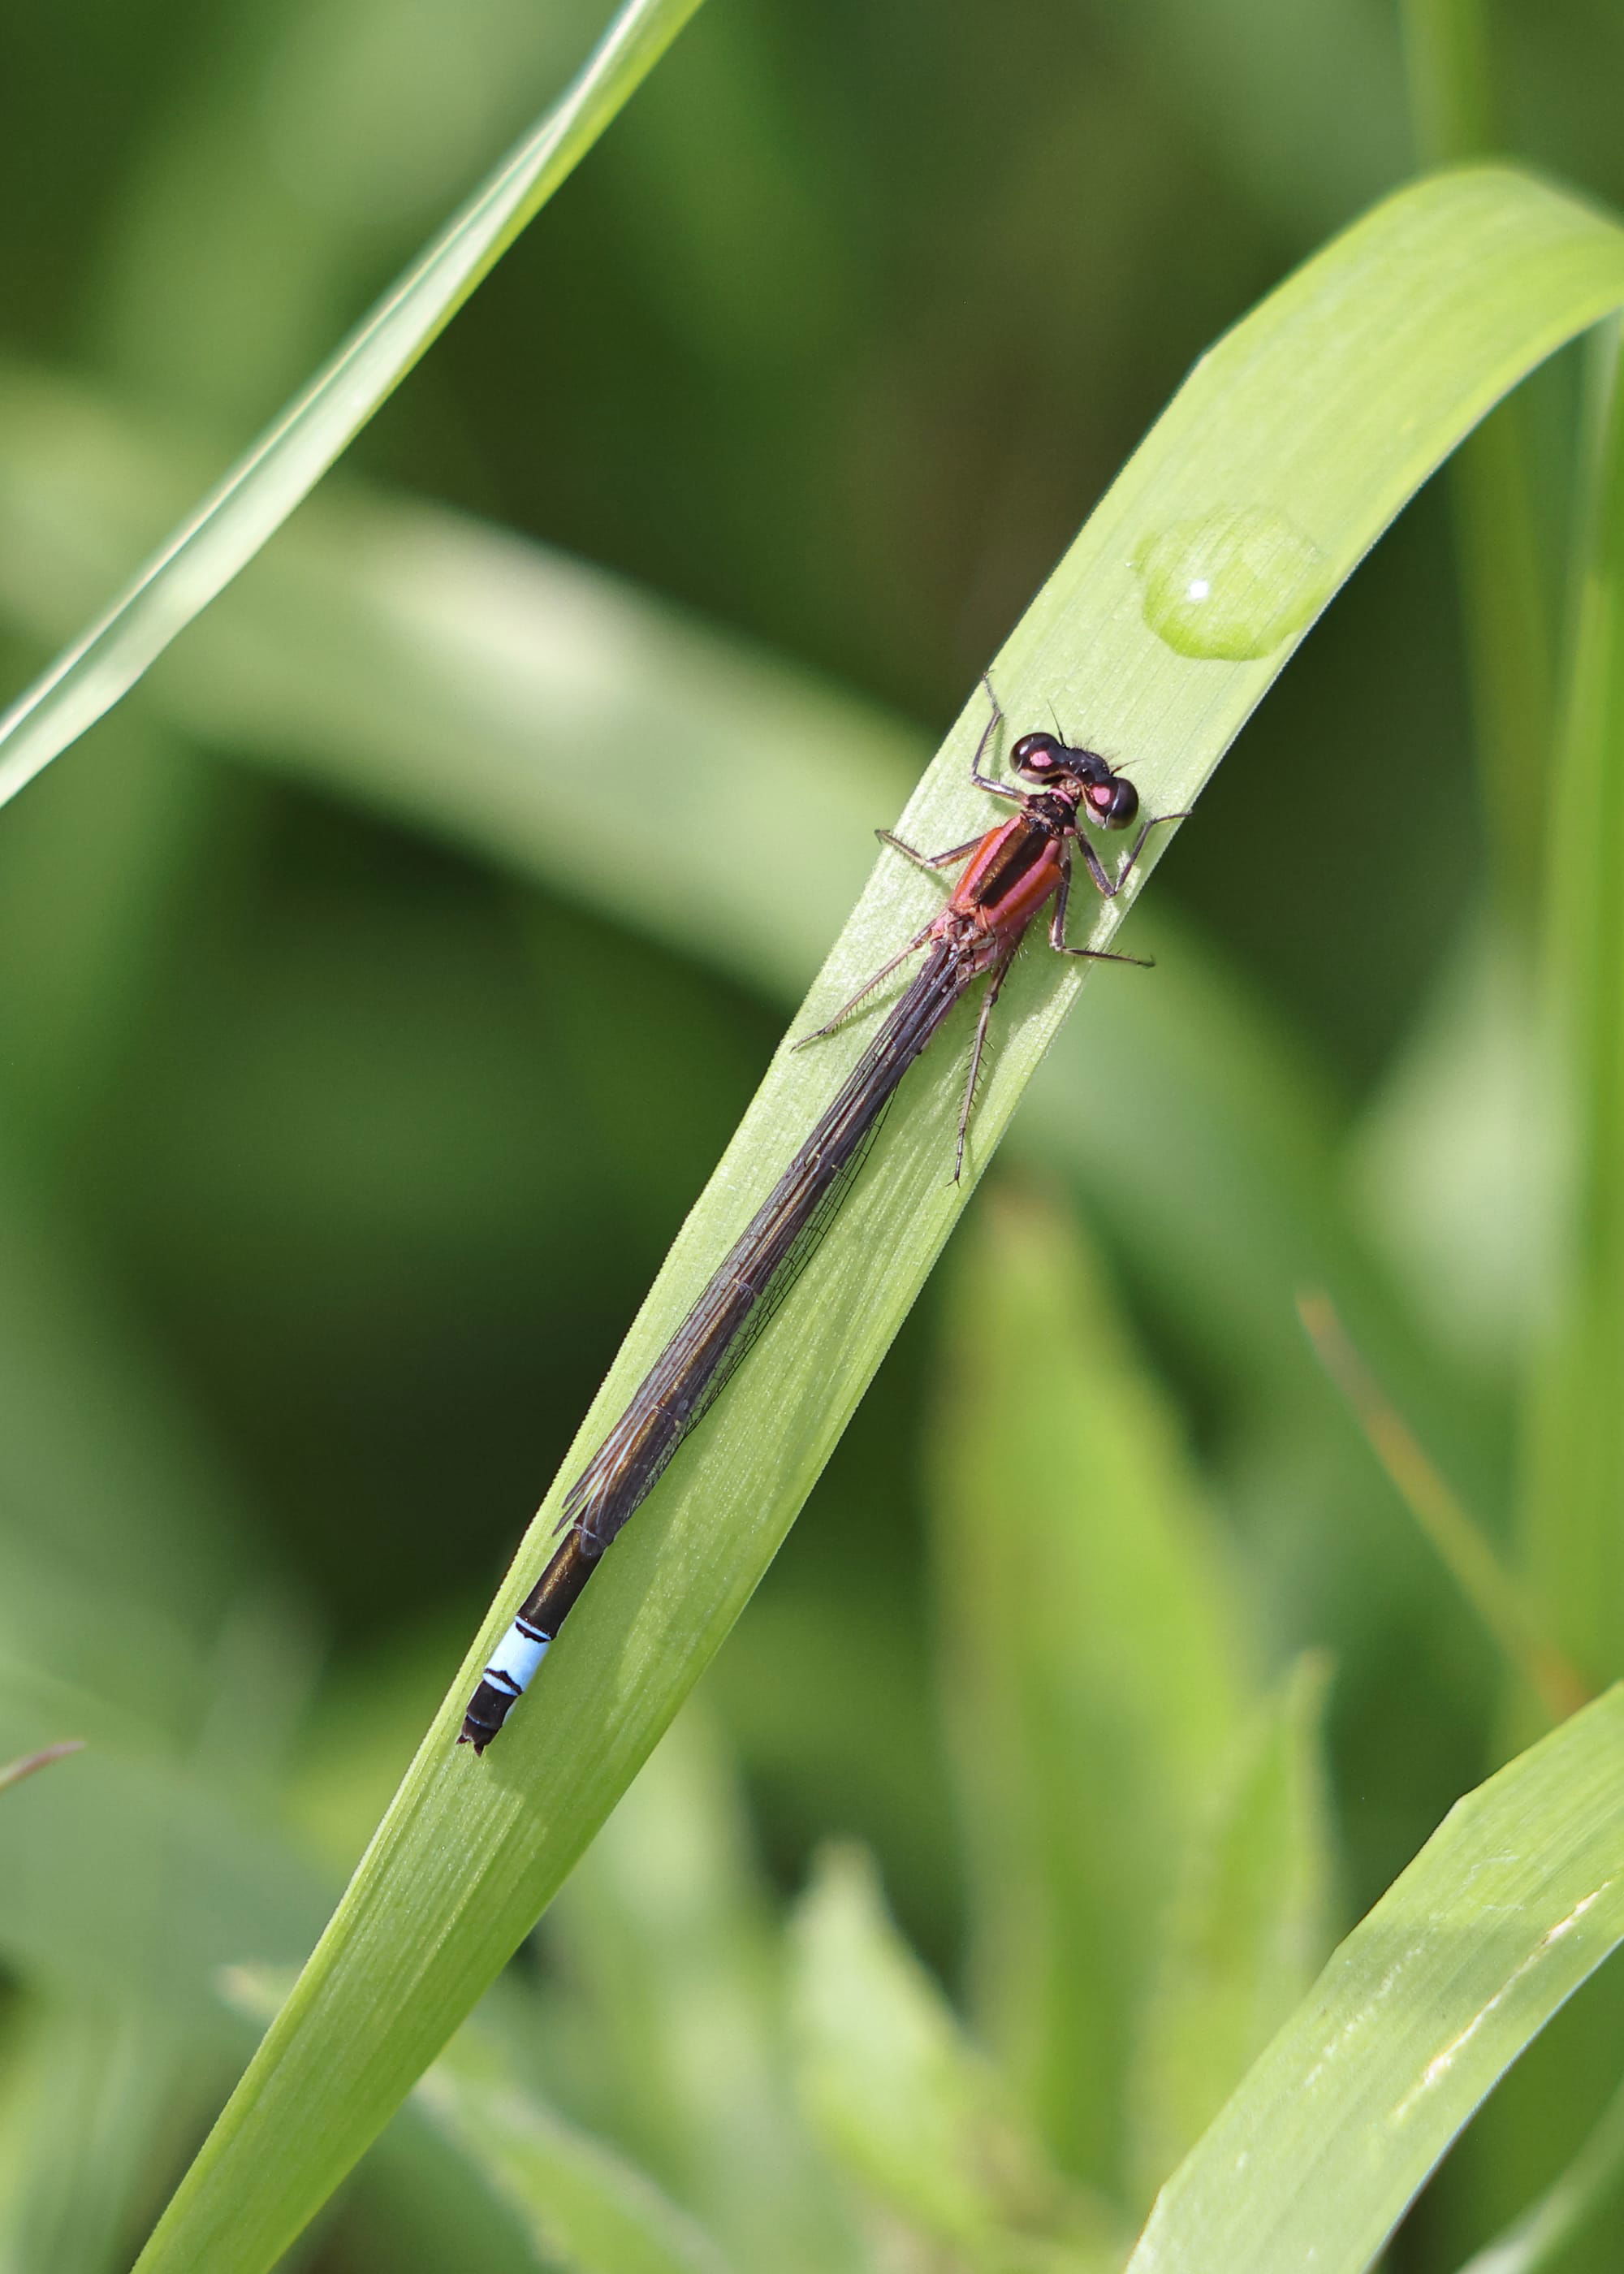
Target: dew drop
1231,585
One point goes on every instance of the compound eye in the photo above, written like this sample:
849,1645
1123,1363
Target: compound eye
1113,803
1036,755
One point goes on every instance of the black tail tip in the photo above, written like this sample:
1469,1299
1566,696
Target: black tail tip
477,1738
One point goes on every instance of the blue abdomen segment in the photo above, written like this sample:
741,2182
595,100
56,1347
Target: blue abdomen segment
520,1652
527,1641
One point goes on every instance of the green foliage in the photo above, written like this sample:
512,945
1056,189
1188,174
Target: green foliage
917,2116
1512,1903
233,520
462,1862
377,984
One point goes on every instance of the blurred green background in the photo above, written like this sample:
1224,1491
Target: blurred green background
329,1175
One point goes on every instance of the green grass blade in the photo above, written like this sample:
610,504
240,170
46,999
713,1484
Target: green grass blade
1447,64
1095,1669
1573,1435
916,2115
1515,1899
665,1929
89,870
105,1470
431,2193
235,520
1249,1928
583,2206
84,2099
1505,577
382,119
1281,459
198,1880
1574,1485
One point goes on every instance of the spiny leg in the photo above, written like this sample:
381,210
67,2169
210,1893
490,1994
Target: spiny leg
1105,883
1056,929
927,860
865,990
977,1047
986,781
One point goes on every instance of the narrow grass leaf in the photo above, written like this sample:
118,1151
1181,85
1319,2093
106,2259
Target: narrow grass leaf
1573,1429
424,2199
1447,64
581,2205
90,869
1248,1930
86,2094
198,1882
917,2115
237,517
1095,1672
314,147
1574,1484
1501,1599
584,2206
667,1929
1506,573
1514,1900
1284,456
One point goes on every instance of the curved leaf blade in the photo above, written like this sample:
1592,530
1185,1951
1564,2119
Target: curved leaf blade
256,497
1515,1899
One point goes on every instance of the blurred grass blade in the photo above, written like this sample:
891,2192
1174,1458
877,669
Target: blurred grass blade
324,140
235,520
1501,1601
584,2207
91,869
667,1929
1095,1672
1591,2184
30,1764
1284,455
464,680
1574,1482
1515,1899
1508,603
1309,162
920,2118
1573,1418
198,1880
85,2095
1447,64
1249,1928
423,2200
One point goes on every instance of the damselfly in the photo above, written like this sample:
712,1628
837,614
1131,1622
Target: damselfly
1010,873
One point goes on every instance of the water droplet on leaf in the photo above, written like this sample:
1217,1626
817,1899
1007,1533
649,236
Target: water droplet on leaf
1231,585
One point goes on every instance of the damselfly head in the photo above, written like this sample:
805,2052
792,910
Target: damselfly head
1083,775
